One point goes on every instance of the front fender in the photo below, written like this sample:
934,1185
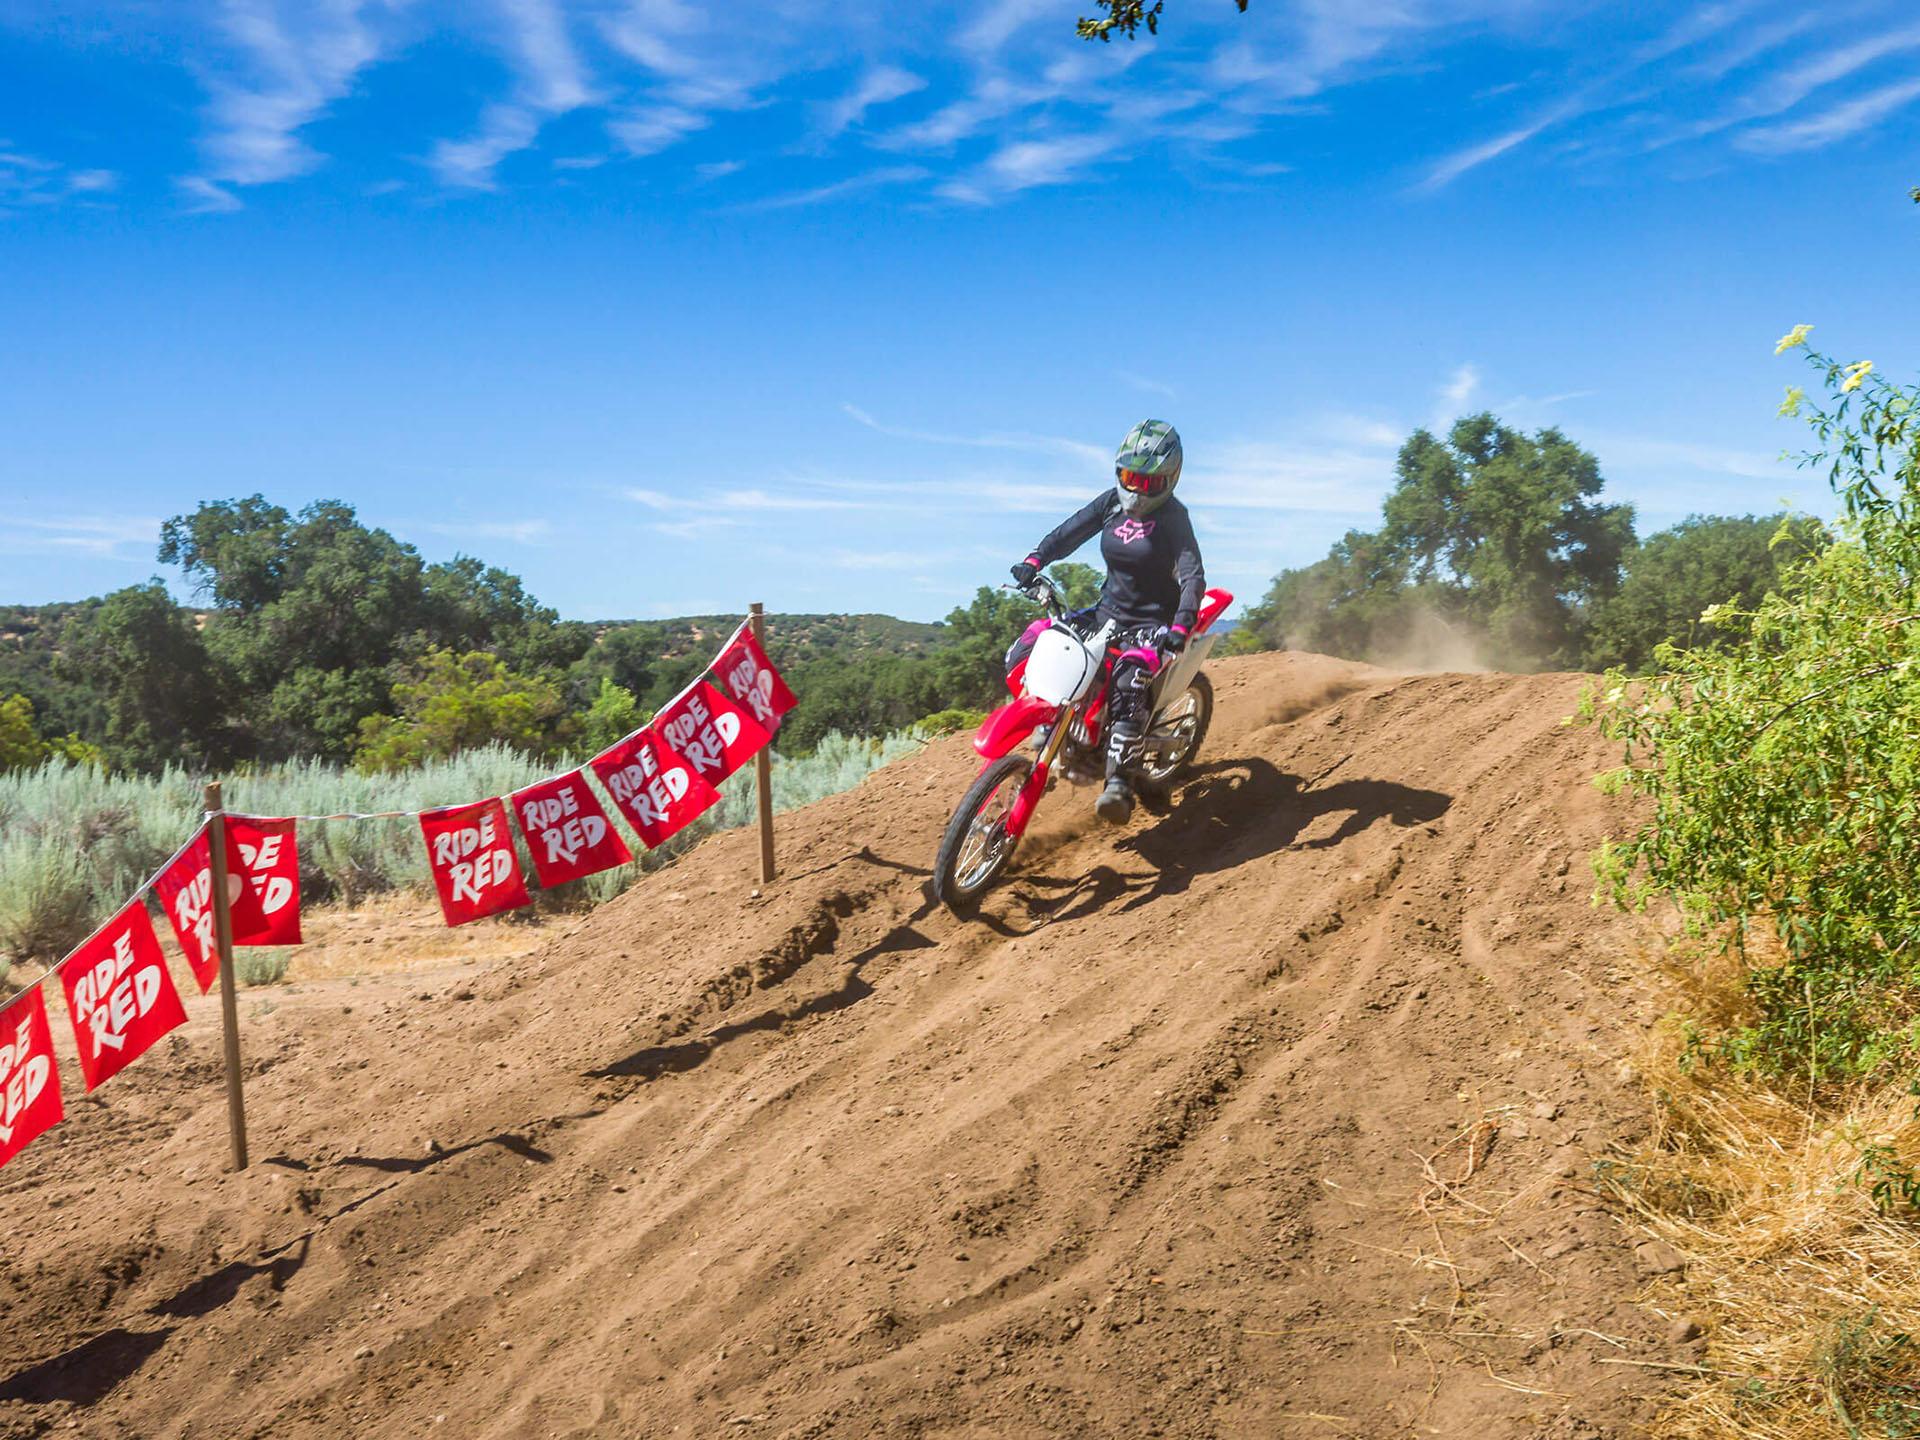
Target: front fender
1006,727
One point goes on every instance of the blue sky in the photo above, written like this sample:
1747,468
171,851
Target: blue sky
668,306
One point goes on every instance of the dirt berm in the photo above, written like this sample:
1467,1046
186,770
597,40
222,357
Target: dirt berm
1273,1114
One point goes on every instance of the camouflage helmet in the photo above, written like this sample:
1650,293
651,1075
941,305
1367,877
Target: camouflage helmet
1147,466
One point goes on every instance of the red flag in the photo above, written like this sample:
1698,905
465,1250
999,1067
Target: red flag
657,790
471,851
749,677
567,831
185,892
715,735
272,860
119,995
29,1078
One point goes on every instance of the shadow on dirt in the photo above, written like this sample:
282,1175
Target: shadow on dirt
210,1292
1226,814
657,1060
413,1164
87,1373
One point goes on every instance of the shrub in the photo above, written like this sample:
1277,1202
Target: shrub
261,967
1783,766
75,841
46,899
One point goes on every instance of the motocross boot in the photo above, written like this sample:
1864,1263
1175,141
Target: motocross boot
1115,804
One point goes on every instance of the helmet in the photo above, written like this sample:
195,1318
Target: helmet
1147,467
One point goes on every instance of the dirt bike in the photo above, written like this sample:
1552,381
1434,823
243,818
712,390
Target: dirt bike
1060,698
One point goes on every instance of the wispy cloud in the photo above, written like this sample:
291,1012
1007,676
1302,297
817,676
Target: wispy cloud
740,500
1833,124
550,81
292,63
1639,451
1456,395
1473,157
879,85
1145,385
853,184
102,536
519,532
996,440
34,180
202,197
1022,164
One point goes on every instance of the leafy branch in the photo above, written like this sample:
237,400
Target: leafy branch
1127,16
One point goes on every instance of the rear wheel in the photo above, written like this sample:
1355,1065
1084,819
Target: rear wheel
1177,731
976,846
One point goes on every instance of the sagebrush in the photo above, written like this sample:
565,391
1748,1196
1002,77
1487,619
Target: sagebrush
76,841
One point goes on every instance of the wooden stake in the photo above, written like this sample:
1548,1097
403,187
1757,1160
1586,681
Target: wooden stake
229,1004
763,762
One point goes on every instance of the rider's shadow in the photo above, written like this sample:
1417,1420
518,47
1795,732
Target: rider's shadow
1226,814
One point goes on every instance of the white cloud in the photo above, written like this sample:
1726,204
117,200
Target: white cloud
652,128
853,184
549,81
33,180
1833,124
1642,452
295,61
1144,384
469,164
1473,157
203,197
519,532
103,536
879,559
1038,444
880,85
743,500
1456,395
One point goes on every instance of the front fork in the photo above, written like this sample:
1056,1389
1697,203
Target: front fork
1028,800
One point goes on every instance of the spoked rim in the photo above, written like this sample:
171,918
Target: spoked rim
987,842
1181,720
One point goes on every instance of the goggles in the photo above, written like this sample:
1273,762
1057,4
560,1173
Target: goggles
1135,482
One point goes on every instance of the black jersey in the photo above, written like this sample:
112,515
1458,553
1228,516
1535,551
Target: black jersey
1154,576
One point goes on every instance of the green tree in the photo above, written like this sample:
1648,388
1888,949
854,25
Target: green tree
1782,768
21,747
1353,602
1080,584
613,715
164,698
1491,537
624,654
470,605
1509,526
1674,575
459,702
316,615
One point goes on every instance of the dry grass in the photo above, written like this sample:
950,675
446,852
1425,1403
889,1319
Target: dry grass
1808,1287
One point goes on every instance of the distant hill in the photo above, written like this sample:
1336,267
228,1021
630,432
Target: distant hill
30,637
801,637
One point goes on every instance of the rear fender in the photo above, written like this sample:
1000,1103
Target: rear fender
1012,723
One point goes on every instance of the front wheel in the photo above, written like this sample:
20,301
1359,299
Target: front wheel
976,846
1177,731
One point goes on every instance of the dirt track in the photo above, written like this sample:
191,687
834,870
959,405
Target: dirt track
1137,1152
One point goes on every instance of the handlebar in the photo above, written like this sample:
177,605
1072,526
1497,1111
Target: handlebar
1044,593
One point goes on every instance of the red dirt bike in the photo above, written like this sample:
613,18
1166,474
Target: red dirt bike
1060,692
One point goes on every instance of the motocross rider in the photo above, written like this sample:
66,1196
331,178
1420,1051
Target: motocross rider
1153,589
